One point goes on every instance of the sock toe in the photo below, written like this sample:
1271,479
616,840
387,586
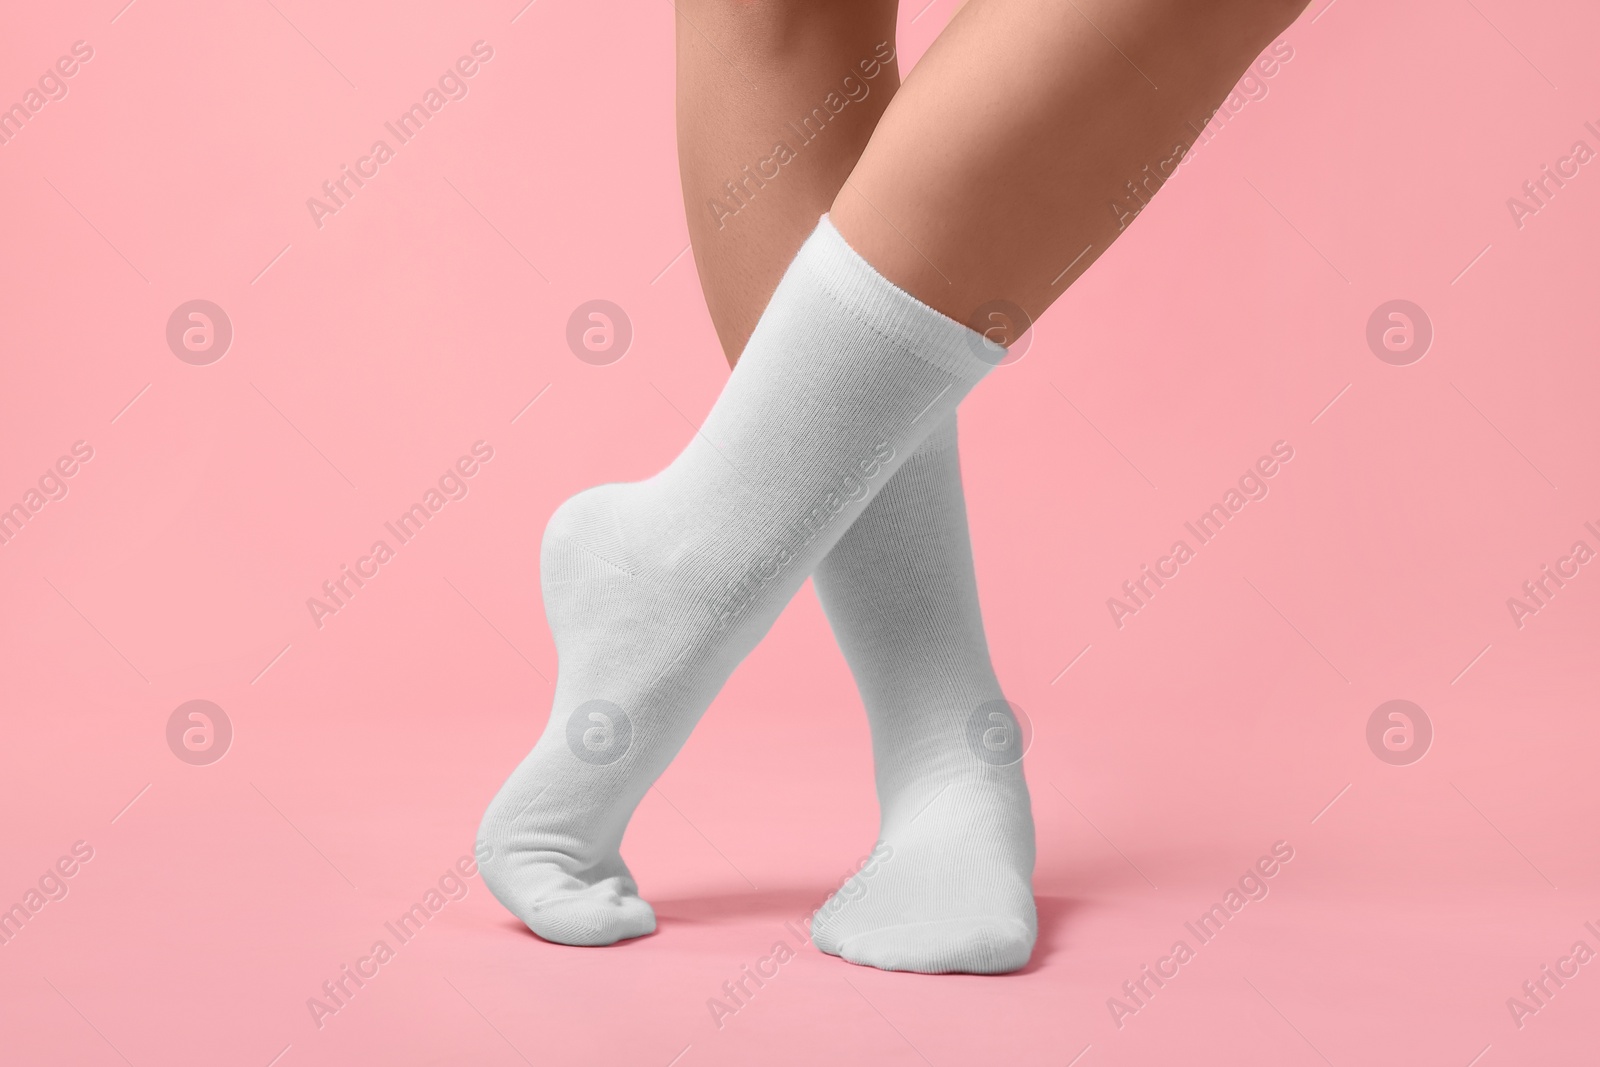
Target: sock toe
598,915
982,945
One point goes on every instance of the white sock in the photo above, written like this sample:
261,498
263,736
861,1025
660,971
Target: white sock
655,590
950,888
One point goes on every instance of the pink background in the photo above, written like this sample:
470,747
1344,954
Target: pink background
370,353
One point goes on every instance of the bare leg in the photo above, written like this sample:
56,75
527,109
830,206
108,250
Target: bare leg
752,77
1002,158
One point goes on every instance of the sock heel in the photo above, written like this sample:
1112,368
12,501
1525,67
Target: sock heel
583,540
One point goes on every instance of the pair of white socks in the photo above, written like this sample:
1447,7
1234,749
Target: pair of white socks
831,451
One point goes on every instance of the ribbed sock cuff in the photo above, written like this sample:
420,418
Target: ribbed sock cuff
889,311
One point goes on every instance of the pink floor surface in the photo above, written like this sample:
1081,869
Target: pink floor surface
372,347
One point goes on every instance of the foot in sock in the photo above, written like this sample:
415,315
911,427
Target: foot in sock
656,590
949,888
